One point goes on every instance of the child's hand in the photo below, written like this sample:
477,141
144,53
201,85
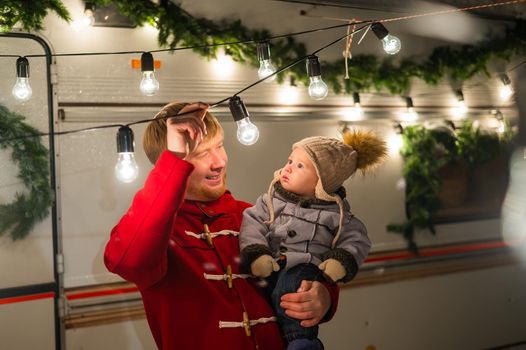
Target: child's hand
333,268
263,266
185,132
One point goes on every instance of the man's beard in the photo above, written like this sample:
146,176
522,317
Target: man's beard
206,194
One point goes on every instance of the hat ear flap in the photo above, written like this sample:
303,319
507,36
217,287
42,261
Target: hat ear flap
270,206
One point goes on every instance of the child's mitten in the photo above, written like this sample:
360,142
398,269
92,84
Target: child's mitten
263,266
333,268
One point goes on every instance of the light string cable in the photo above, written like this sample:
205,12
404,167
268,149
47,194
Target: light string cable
295,62
242,42
434,13
249,41
66,132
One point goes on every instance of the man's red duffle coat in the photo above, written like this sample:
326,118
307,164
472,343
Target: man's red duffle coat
184,257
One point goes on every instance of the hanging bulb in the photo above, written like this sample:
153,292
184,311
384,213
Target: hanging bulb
410,113
89,16
390,43
149,85
247,133
462,108
506,90
289,93
265,66
126,169
500,123
22,90
318,90
357,104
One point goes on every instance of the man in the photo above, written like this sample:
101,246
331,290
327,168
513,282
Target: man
178,243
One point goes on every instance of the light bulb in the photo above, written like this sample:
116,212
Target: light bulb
89,15
265,69
506,91
88,19
356,113
410,113
265,66
461,105
288,94
126,169
391,44
247,133
318,90
149,85
22,90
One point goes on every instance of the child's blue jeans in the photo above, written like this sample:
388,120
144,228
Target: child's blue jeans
289,281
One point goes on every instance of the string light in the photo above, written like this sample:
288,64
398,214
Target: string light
223,65
247,133
318,90
390,43
22,90
149,85
355,113
357,105
410,113
89,16
289,94
506,90
500,124
461,109
126,169
265,66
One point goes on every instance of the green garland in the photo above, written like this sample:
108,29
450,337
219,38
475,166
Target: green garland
177,27
19,217
29,13
425,152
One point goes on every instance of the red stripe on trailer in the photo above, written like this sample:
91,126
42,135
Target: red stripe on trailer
440,251
23,298
101,293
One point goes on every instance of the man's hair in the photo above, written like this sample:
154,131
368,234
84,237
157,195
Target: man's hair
154,140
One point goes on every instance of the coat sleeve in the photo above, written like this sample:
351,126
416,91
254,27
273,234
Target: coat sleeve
352,247
138,245
253,233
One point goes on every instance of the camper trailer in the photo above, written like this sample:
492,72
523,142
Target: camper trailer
441,82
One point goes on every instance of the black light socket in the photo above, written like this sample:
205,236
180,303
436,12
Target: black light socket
22,67
147,62
379,30
237,108
125,141
505,79
356,97
460,95
89,8
313,66
263,49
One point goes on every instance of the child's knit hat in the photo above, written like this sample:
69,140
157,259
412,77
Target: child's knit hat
337,160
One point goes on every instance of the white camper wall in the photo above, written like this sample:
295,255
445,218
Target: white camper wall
469,310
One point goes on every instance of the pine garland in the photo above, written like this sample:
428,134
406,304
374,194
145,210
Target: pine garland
29,13
19,217
179,28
